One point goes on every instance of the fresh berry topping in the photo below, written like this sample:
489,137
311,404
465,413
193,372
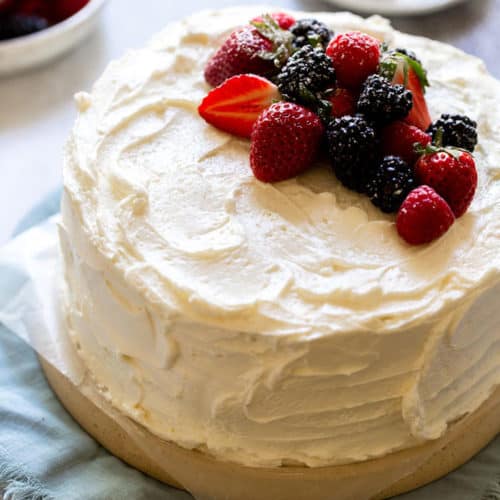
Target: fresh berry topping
239,54
382,101
355,57
403,69
352,147
13,26
399,139
452,173
306,73
391,182
285,21
423,217
311,32
285,141
343,102
236,104
456,130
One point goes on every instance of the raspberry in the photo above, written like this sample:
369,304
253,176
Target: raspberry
423,217
392,180
456,130
285,141
306,73
311,32
383,102
355,57
352,147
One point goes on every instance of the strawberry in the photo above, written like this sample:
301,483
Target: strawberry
343,102
239,54
403,68
285,21
423,217
355,57
235,105
285,141
452,173
260,49
399,139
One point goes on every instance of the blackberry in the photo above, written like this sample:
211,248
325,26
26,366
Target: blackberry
391,182
311,32
457,130
383,102
352,147
307,72
20,25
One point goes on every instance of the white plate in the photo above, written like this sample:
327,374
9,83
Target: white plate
33,50
395,7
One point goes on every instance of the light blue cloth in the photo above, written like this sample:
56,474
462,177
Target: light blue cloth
44,454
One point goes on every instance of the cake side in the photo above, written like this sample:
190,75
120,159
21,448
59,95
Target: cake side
269,324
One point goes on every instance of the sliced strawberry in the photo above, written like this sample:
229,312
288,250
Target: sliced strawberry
285,21
235,105
406,70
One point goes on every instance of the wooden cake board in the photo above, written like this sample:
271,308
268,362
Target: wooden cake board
210,479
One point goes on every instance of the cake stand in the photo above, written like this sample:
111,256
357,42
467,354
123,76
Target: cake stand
210,479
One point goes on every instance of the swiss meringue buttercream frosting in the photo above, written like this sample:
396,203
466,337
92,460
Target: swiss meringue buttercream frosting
270,324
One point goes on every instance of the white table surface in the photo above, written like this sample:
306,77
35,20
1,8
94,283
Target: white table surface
36,108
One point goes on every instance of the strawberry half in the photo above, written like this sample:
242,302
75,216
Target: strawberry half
235,105
406,70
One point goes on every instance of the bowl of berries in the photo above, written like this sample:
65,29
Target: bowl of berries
33,32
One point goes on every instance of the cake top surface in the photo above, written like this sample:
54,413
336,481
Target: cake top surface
171,203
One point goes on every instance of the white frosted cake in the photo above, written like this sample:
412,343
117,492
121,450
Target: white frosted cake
270,324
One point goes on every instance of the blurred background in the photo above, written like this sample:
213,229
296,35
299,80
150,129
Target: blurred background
36,106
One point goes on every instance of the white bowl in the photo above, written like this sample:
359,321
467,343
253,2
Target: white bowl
38,48
396,7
